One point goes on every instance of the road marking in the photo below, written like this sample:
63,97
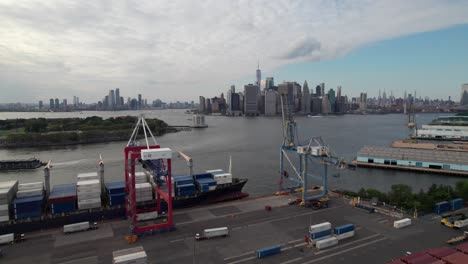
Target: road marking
292,260
241,255
242,260
177,240
344,245
345,250
294,241
94,259
383,221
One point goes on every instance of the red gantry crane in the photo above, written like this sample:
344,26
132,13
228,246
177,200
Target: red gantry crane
157,161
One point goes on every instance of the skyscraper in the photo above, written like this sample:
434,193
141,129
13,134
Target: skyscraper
111,100
464,94
270,102
51,104
332,99
56,104
251,99
269,83
363,102
318,91
41,104
287,88
305,98
65,104
259,78
201,105
322,89
117,97
139,102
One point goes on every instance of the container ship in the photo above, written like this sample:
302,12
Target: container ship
34,206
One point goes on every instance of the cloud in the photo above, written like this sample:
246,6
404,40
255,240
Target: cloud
177,50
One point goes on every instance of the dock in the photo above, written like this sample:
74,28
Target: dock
251,227
414,159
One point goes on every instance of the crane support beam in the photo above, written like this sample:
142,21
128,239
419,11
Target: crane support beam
189,162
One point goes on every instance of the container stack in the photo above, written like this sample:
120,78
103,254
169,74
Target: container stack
7,193
184,186
344,231
116,193
320,231
30,189
62,199
28,207
141,177
87,176
136,255
441,207
88,193
206,184
144,192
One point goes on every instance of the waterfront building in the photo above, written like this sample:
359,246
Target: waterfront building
443,132
251,99
305,98
202,105
41,104
464,94
270,102
363,101
111,100
56,104
208,106
117,97
332,100
139,102
316,105
51,104
259,78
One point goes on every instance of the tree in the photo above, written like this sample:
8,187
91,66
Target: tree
461,189
401,195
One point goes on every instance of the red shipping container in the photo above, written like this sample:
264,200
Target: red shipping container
441,252
457,258
463,247
395,261
439,262
413,256
425,259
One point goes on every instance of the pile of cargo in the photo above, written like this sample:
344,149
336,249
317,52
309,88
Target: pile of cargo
205,182
88,191
442,255
184,186
29,201
220,176
7,193
445,206
62,199
136,255
116,193
323,236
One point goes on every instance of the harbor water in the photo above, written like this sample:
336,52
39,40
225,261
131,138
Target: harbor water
253,143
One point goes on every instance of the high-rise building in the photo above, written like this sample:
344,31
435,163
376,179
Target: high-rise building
318,90
251,99
363,102
208,105
326,108
322,89
270,102
65,104
269,83
235,104
56,104
297,97
316,105
464,94
202,105
259,78
139,102
51,104
332,99
117,97
41,104
287,88
111,100
305,98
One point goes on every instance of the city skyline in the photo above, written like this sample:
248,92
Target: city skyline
176,52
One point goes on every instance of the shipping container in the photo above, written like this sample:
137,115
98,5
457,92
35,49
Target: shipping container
222,178
460,223
268,251
117,199
343,229
327,242
147,216
216,232
423,259
203,176
115,187
319,227
87,176
462,247
8,238
182,180
30,186
345,235
456,204
214,172
440,252
413,256
320,234
456,258
402,223
441,207
134,258
29,193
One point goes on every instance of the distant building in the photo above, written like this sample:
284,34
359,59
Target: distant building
322,89
305,99
464,94
41,105
316,105
318,90
202,105
270,102
140,102
117,97
65,104
332,99
287,88
326,109
363,101
56,104
251,99
235,104
269,83
259,78
208,106
111,100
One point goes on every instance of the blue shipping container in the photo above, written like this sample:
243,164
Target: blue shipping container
456,204
64,207
117,199
344,229
115,187
203,176
441,207
182,180
320,234
268,251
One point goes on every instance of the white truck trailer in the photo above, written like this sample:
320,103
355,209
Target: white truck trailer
212,233
78,227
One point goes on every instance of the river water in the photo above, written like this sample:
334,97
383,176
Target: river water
253,143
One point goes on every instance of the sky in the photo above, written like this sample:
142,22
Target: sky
178,50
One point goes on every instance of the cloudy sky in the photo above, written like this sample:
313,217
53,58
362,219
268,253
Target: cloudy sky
178,50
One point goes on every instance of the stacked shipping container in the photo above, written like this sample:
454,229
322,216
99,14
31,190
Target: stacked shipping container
88,193
7,193
62,198
344,231
29,201
144,192
184,186
116,193
320,231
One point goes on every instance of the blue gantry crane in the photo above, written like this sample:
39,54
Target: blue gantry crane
313,148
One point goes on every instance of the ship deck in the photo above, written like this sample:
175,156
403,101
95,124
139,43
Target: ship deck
251,228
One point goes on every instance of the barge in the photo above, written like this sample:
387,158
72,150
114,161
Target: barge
20,164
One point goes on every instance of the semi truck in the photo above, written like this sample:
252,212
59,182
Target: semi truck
212,233
78,227
11,238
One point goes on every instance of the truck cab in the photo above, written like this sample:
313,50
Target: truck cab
93,226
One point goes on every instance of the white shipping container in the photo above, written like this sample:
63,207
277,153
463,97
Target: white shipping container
87,176
87,183
4,218
4,206
328,242
142,185
319,227
8,184
144,198
85,206
76,227
8,238
313,241
127,251
93,200
402,223
4,212
29,193
345,235
83,191
223,178
216,232
147,216
214,172
30,186
461,223
133,258
85,196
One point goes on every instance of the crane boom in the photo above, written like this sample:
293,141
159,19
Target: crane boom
189,162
